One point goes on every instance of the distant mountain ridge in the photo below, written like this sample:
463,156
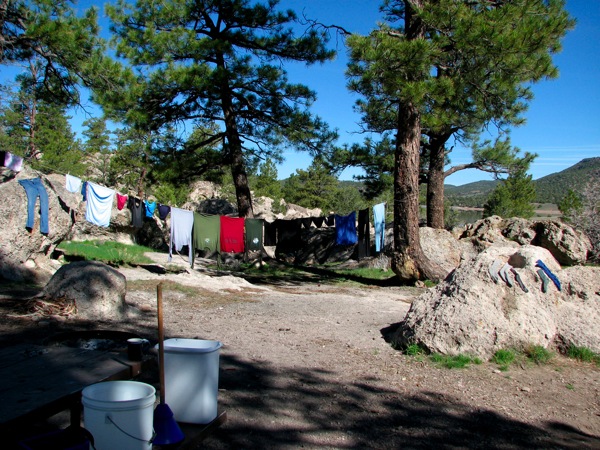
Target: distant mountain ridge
550,189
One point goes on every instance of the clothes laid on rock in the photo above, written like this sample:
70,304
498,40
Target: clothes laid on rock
232,234
121,201
136,206
205,234
13,162
545,280
149,208
163,211
539,263
34,188
99,204
345,229
379,223
72,184
519,280
494,268
254,234
364,234
182,222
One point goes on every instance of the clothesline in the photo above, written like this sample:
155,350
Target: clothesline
212,232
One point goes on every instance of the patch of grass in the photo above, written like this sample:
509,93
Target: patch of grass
429,283
570,387
414,350
114,253
504,358
538,354
583,354
367,273
454,362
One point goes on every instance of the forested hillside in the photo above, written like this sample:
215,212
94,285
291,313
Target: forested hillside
550,189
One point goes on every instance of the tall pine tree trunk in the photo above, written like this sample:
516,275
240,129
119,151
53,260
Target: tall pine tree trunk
409,262
240,177
435,181
234,149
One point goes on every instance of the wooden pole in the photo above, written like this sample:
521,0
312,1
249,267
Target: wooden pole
161,340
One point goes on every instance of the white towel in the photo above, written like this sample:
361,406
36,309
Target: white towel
73,184
99,204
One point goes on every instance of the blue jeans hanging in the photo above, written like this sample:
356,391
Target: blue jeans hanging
34,188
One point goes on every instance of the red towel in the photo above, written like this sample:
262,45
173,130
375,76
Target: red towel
121,200
232,234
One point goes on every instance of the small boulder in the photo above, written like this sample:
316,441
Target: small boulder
98,290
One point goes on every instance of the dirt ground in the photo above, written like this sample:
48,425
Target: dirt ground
305,364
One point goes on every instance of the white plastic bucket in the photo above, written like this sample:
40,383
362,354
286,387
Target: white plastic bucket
119,414
192,379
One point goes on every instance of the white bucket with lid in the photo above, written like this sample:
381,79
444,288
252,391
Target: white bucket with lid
119,414
192,379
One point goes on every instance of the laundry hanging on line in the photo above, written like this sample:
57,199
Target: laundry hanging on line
12,162
73,184
182,222
379,224
99,204
232,234
34,189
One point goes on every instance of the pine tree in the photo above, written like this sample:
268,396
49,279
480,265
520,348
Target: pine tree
66,46
97,147
440,67
315,187
512,198
266,183
221,61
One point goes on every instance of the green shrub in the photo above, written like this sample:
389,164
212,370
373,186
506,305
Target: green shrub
504,358
583,354
538,354
414,350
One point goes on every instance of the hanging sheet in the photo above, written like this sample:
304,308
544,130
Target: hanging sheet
99,204
182,222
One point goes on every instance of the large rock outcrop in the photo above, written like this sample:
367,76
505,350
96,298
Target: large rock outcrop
98,290
24,254
471,313
567,245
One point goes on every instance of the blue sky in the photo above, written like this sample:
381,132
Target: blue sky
563,120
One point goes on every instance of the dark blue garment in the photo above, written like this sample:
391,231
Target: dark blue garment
34,188
345,229
553,277
84,191
163,211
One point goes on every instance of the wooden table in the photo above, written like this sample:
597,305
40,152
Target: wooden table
38,382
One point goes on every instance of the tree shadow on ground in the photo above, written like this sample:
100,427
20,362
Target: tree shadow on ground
269,410
280,273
